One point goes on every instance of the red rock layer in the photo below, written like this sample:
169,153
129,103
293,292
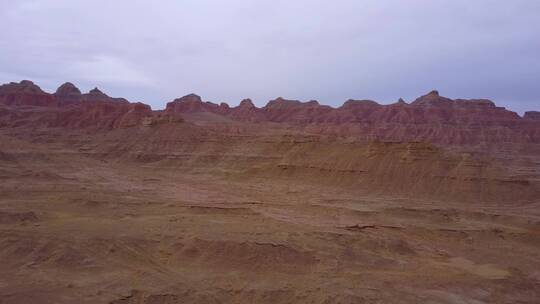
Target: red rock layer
430,118
25,93
25,103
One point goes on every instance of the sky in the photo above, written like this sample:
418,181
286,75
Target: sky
330,51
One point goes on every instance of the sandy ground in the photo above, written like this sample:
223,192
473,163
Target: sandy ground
76,229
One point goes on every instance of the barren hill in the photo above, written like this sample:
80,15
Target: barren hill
107,201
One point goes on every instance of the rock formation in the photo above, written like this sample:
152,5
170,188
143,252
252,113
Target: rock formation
431,117
106,201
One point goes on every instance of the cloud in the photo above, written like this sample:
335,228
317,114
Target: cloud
108,69
304,49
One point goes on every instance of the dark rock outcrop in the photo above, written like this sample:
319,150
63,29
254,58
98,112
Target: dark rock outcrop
68,90
532,115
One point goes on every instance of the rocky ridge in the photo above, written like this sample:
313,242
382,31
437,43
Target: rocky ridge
432,118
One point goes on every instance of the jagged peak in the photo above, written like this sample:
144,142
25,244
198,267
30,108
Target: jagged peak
97,95
246,103
431,98
27,82
281,102
189,98
68,89
96,91
25,86
401,101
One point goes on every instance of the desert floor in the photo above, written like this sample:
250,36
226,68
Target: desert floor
76,229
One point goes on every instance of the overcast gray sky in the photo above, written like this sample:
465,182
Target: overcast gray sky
155,51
